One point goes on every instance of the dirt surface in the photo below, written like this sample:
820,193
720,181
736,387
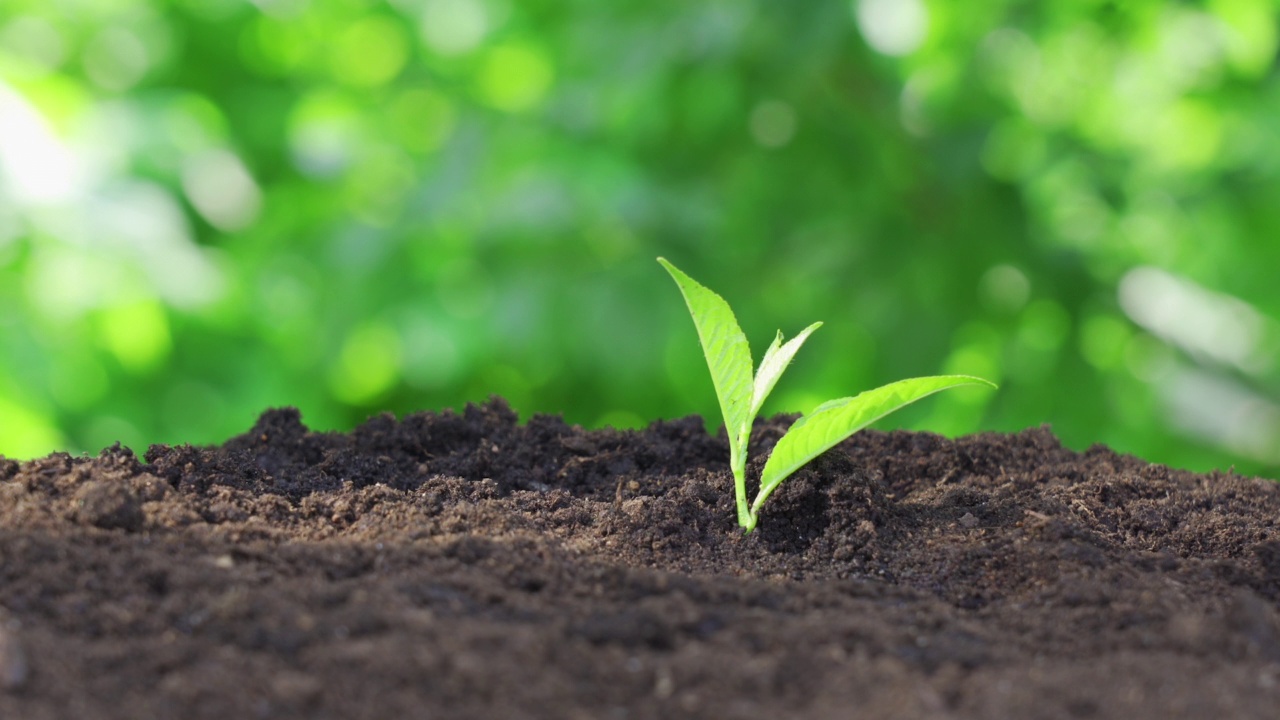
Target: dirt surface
464,566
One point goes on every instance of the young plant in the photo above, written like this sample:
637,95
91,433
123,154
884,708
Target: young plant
741,393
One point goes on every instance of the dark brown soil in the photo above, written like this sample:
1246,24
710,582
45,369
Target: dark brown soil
463,566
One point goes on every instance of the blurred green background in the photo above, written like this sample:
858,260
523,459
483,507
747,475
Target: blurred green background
210,207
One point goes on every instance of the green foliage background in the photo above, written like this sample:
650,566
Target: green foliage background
209,207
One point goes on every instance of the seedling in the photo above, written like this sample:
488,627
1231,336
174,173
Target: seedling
741,394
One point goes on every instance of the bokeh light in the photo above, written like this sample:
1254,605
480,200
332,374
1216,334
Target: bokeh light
211,207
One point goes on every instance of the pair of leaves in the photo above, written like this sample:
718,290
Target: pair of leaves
742,393
728,356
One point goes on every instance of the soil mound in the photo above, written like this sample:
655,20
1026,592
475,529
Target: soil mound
463,565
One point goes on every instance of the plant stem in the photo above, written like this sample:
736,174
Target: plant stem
737,463
745,517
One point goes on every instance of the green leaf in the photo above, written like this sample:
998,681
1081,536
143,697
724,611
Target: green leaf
728,357
833,421
775,360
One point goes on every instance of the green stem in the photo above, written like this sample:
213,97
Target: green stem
738,463
744,511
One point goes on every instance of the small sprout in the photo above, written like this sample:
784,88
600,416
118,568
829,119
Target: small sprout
741,395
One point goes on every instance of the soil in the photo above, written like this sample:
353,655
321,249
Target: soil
462,565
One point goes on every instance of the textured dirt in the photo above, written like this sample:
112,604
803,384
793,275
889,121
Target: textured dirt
464,566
